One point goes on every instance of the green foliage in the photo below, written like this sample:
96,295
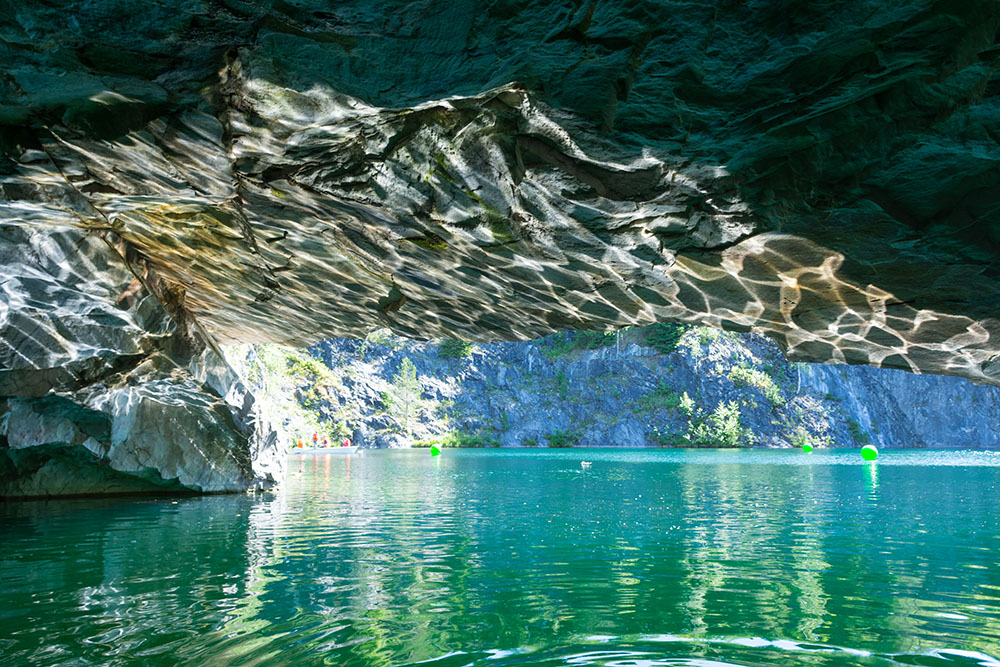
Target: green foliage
801,436
663,397
664,336
562,343
429,241
504,421
454,349
722,428
562,384
594,340
340,430
558,344
291,387
665,438
441,168
562,439
530,442
708,335
402,400
858,433
476,440
686,404
379,337
500,228
743,376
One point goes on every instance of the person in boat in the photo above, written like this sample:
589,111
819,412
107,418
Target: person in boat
346,443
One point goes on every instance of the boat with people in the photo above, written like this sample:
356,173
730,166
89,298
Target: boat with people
324,450
323,446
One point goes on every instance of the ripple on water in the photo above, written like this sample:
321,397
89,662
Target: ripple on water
523,558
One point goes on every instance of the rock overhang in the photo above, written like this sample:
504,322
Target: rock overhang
291,172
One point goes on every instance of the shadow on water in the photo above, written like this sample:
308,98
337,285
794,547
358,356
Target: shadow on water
704,558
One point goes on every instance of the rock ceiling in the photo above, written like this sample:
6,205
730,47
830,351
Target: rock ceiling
277,171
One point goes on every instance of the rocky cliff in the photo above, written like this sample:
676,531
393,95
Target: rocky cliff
101,391
710,389
822,172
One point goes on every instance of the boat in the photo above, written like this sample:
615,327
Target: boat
324,450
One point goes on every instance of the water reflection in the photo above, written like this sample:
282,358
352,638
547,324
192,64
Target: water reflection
494,558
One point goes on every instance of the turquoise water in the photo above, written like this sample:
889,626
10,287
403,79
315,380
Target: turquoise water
498,557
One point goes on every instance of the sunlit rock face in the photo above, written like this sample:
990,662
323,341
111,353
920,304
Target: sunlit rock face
825,172
287,171
102,392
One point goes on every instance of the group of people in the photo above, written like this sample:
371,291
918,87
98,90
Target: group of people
326,443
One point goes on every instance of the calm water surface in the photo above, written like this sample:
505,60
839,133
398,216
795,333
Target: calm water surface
497,558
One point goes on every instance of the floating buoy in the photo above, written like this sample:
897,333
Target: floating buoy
807,448
435,451
869,453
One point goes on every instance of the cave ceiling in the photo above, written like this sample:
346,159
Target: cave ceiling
823,172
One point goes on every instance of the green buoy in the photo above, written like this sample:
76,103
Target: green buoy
869,453
807,448
435,451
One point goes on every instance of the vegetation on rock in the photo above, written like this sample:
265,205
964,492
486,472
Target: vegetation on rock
402,400
858,433
745,376
454,349
715,389
560,438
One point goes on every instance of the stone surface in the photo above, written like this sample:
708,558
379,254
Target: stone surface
101,392
500,171
628,395
273,171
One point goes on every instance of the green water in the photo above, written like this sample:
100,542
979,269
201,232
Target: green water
496,558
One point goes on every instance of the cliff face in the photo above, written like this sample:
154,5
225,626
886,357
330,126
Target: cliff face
714,389
901,409
102,392
823,172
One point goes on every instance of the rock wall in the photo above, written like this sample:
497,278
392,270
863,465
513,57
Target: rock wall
901,409
825,173
101,391
627,394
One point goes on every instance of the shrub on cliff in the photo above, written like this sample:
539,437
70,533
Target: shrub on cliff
459,439
564,342
454,349
563,439
722,428
403,400
664,336
743,376
858,433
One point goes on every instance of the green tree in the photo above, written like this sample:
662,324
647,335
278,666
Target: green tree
722,428
454,348
403,397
